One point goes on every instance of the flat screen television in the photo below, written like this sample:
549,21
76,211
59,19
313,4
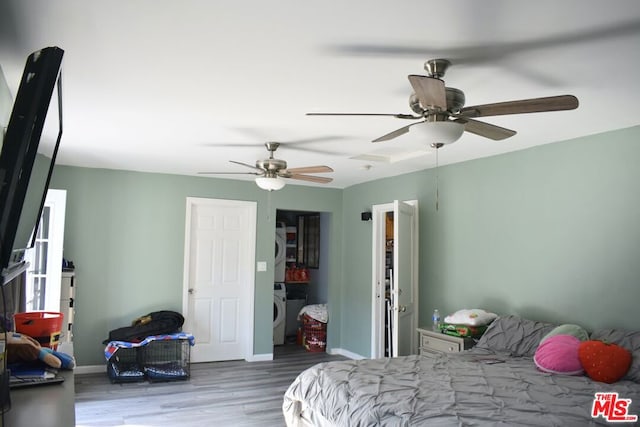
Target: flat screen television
27,157
28,153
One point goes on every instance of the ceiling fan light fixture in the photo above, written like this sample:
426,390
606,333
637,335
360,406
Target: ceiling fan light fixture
270,183
440,132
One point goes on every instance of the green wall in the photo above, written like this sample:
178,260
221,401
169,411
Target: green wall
551,233
125,233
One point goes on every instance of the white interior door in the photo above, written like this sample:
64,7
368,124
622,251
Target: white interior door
404,287
219,283
403,305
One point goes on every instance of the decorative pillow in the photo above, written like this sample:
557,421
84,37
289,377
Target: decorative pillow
513,335
627,339
472,317
567,329
559,355
604,362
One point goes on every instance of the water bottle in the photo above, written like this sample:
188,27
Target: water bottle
436,320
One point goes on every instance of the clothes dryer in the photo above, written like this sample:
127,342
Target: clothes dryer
280,263
279,313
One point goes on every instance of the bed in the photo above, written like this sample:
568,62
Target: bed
495,382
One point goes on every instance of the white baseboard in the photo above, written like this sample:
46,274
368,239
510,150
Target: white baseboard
97,369
90,369
346,353
260,357
265,357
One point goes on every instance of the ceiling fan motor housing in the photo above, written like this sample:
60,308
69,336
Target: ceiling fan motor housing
455,101
274,165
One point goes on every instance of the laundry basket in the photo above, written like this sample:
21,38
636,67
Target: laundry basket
314,334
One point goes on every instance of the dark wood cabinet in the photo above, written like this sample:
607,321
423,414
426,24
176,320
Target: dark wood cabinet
308,244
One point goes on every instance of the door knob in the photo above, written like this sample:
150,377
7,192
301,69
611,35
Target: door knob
402,308
190,290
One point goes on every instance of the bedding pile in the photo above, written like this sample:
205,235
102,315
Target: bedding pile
467,322
496,382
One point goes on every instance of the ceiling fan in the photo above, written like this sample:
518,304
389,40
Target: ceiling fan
270,171
443,117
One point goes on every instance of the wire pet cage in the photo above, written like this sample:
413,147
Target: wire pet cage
166,360
125,366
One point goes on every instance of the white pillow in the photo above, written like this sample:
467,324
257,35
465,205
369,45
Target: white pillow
470,317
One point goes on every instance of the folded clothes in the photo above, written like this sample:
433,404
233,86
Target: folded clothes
315,311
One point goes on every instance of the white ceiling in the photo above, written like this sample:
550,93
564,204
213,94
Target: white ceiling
158,85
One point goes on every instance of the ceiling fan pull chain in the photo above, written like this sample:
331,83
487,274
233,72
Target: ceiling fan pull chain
437,186
269,206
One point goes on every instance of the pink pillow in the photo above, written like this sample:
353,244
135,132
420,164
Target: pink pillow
559,355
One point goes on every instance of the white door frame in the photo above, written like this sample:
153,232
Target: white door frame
378,215
191,201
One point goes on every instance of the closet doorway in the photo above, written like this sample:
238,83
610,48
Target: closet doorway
305,271
395,279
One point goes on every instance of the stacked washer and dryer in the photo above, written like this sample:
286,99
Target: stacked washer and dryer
279,313
279,288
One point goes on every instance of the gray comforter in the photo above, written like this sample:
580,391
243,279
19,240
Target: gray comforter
462,389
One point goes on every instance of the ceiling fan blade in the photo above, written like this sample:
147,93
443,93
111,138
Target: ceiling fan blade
396,115
229,173
291,145
310,169
287,145
302,141
430,92
396,133
247,165
534,105
233,144
487,130
311,178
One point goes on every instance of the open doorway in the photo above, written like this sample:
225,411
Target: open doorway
395,279
301,276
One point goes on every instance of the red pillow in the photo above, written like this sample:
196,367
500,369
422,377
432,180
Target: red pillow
603,361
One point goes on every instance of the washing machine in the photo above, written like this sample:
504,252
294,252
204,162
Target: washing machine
279,313
280,263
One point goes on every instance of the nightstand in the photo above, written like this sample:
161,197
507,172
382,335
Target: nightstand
437,342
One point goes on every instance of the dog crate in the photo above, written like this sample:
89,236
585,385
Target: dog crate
125,366
166,360
156,358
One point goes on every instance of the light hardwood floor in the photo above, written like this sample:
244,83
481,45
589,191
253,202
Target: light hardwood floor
235,393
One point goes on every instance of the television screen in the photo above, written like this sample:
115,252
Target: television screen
28,153
27,157
38,183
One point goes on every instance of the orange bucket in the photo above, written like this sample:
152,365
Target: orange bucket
43,326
